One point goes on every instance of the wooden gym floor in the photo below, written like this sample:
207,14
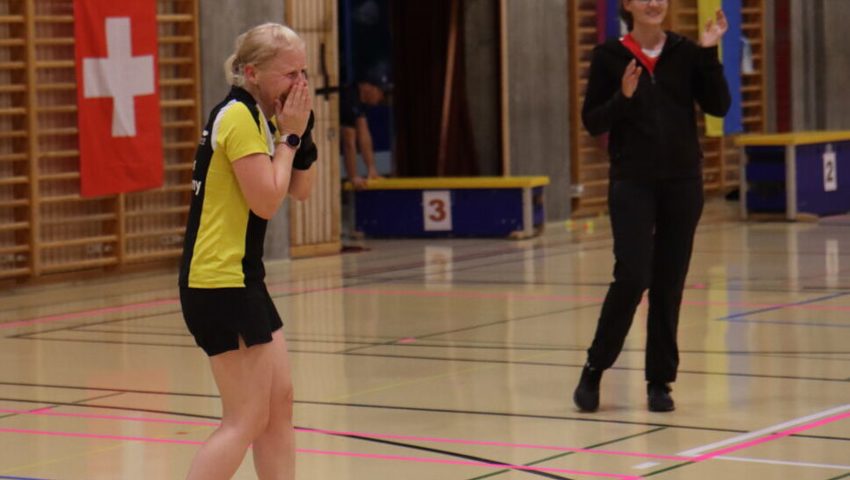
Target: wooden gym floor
455,360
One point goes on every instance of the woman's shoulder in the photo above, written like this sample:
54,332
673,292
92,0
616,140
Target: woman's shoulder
236,111
611,50
612,45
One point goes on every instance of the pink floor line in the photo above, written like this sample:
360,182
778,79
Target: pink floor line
535,297
573,298
42,412
99,436
770,438
505,444
87,313
413,293
361,434
333,453
701,458
470,463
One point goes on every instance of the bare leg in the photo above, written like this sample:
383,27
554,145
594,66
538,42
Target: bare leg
244,379
274,449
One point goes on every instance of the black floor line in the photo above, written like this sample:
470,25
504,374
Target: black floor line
579,418
566,454
444,359
464,456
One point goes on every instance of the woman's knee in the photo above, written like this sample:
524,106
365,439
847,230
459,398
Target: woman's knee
281,403
250,425
280,420
287,393
282,390
632,283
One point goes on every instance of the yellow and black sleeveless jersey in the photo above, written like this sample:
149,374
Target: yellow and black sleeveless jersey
223,247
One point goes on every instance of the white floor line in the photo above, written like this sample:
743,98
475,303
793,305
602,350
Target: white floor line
695,452
764,431
648,465
790,464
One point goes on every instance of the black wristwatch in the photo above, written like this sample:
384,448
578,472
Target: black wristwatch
291,140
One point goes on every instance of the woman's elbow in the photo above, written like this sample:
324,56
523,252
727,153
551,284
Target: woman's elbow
594,128
593,123
719,109
266,207
266,212
726,106
300,194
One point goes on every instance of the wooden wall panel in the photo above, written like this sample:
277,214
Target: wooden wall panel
754,84
589,161
15,208
315,223
155,220
47,227
72,232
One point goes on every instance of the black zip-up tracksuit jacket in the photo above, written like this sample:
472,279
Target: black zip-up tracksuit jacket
653,134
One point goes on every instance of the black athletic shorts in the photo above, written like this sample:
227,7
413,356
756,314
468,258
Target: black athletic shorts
217,317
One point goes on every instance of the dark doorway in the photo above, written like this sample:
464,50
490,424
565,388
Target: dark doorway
434,135
365,49
443,59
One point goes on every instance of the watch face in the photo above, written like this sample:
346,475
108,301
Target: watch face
293,140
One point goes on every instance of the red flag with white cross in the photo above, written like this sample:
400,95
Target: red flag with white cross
120,130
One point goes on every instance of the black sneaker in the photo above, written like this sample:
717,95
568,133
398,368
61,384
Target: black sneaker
586,396
659,399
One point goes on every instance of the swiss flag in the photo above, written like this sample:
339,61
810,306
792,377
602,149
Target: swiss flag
118,96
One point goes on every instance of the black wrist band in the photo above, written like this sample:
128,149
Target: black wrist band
306,155
307,152
303,162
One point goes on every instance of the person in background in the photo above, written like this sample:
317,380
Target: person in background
369,91
642,91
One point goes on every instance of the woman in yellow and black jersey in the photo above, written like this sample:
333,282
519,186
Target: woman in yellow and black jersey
255,150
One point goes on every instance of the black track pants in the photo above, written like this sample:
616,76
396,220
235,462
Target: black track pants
653,224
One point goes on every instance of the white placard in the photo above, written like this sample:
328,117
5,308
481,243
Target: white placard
833,262
438,265
437,210
830,175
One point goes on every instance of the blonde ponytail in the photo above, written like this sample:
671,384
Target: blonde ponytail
256,47
230,72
